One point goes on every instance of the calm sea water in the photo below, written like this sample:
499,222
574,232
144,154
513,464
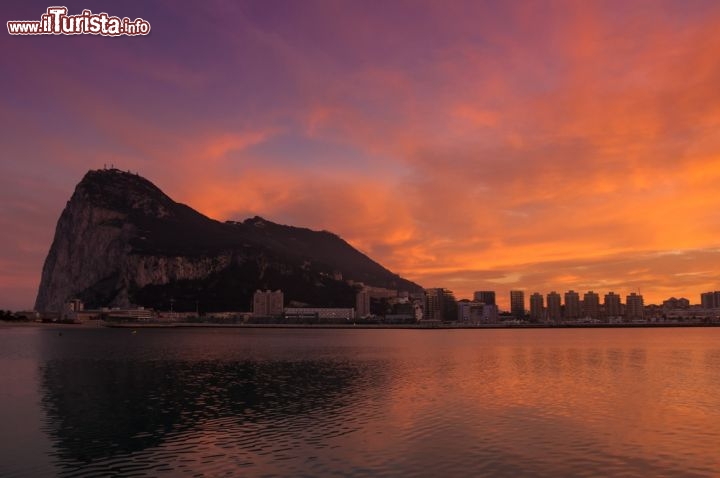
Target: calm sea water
231,402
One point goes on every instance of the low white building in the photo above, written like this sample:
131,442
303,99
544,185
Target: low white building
326,313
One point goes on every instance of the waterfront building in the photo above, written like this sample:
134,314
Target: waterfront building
634,307
440,304
613,307
537,307
268,303
327,314
399,319
517,304
470,311
362,303
72,309
418,305
490,314
136,313
380,292
710,300
673,303
463,310
572,305
433,304
591,305
484,296
27,315
653,313
554,309
166,315
74,305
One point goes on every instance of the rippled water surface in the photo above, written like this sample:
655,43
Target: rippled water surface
242,402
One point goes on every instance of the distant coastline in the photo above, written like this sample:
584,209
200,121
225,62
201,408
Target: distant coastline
96,324
190,325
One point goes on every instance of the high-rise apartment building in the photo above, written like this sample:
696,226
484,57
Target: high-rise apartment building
362,303
517,303
433,304
572,305
440,304
485,296
537,308
554,310
591,305
710,300
612,305
634,306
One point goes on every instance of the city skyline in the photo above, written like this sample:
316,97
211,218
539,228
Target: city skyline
556,300
479,145
707,299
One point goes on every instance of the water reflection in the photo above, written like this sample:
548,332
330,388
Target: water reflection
384,402
102,409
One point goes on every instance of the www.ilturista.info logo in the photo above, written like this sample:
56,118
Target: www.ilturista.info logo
57,22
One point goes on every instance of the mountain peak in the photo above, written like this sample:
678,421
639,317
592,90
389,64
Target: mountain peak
256,221
122,191
118,178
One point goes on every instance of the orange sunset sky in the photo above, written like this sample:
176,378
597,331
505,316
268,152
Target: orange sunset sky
469,145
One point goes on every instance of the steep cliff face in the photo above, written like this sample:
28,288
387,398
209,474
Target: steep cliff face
121,241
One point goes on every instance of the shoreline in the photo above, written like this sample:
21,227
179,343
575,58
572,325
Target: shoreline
190,325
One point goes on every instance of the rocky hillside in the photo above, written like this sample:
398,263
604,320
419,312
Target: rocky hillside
121,241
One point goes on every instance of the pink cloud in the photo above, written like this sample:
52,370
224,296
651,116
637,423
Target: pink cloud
484,151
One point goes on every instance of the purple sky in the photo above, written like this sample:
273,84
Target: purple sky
472,145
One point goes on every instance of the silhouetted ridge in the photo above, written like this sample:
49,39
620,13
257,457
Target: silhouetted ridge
122,241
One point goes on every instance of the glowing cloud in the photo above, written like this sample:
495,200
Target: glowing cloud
477,145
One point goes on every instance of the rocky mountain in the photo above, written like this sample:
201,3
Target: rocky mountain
120,241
